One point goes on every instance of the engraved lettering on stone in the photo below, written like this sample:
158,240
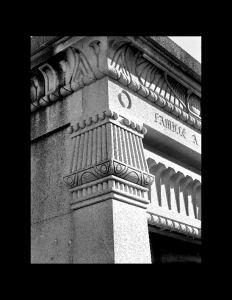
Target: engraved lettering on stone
195,140
170,125
124,99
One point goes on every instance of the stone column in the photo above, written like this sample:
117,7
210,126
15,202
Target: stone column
109,182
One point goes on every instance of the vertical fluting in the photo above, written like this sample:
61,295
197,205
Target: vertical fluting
127,147
99,187
135,151
80,152
99,144
116,156
90,148
72,155
74,196
120,154
140,155
104,185
104,154
76,153
84,155
132,154
124,146
143,156
110,140
94,153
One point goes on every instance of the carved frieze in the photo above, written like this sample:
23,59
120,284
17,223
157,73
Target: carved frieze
66,72
85,62
109,167
130,67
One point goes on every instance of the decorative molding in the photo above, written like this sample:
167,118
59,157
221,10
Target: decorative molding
105,115
186,196
73,69
124,99
66,73
169,224
107,153
106,168
129,66
104,145
107,185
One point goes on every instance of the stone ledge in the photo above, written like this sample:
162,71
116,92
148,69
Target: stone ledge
166,45
172,224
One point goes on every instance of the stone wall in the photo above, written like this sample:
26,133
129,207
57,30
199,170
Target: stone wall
51,233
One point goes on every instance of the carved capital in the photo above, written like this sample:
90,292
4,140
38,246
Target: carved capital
106,145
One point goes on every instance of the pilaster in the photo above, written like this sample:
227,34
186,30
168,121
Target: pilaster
109,179
113,94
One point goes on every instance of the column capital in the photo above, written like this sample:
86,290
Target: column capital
107,159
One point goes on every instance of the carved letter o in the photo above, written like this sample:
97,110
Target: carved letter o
124,99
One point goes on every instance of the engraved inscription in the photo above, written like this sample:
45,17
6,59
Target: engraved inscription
195,140
124,99
170,125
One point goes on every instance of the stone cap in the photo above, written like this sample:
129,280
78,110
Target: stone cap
170,48
42,47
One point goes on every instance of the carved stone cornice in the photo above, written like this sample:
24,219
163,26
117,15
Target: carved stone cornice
65,73
132,68
91,59
107,145
168,224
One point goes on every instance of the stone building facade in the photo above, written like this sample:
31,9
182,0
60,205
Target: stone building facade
115,151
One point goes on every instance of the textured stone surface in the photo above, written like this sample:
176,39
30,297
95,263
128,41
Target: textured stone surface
171,47
131,241
95,97
93,234
111,232
144,113
56,115
52,240
49,158
38,42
